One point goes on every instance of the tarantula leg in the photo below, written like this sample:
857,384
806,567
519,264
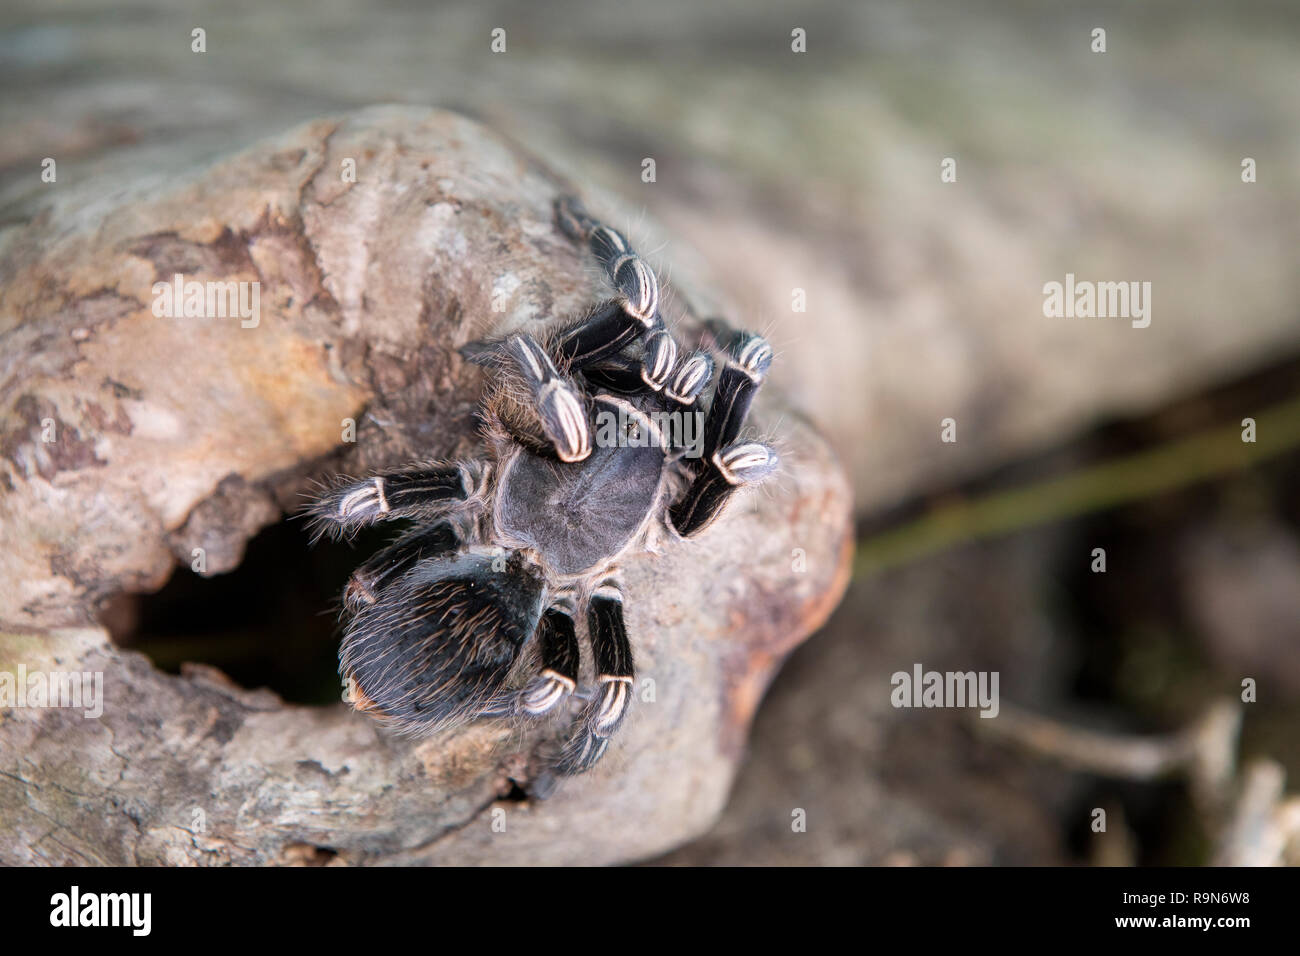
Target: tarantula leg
607,245
389,564
557,401
660,360
572,217
748,359
718,479
408,493
558,677
617,372
621,321
601,333
614,672
690,378
638,286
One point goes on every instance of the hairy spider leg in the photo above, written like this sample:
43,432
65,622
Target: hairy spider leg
612,325
689,379
614,674
748,359
615,324
390,563
599,334
420,493
659,361
717,479
726,465
559,404
558,677
617,373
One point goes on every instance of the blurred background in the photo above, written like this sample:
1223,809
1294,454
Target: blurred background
779,172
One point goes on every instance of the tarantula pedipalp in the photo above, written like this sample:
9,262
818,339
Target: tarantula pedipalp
591,455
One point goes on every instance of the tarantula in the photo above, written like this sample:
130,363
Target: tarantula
582,469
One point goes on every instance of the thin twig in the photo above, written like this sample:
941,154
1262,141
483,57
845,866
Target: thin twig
1204,750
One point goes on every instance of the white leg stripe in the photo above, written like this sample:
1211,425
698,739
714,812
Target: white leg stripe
560,679
353,500
611,707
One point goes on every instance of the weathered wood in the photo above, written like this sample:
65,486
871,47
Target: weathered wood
177,433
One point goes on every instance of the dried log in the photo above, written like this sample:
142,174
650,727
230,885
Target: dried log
172,434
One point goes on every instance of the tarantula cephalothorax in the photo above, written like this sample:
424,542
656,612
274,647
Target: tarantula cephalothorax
589,459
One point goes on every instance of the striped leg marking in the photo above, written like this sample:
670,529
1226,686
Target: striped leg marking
614,667
559,675
417,492
369,580
559,404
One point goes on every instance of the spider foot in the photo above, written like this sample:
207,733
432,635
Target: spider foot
599,721
543,693
558,677
417,492
605,712
744,463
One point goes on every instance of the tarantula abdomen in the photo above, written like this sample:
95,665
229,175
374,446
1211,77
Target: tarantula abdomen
440,641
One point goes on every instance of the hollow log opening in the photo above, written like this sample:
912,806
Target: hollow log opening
271,622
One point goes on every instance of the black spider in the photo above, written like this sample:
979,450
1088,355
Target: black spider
590,457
